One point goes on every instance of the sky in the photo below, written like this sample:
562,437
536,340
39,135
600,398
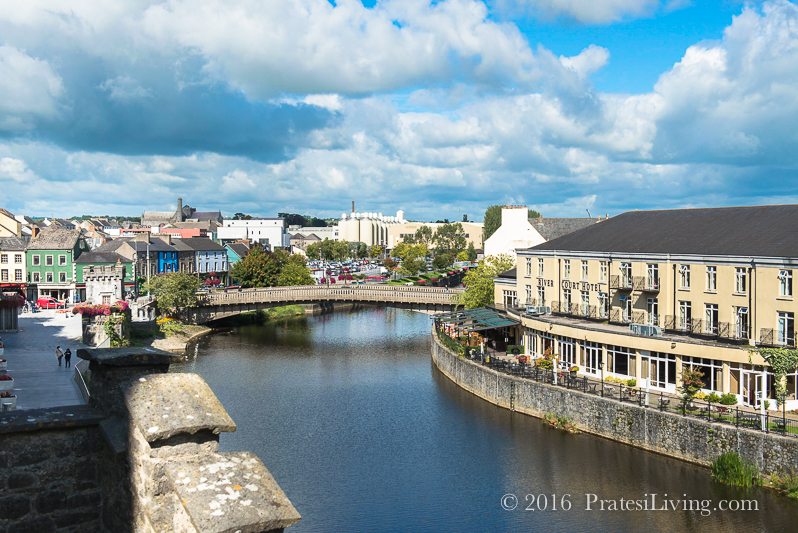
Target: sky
436,108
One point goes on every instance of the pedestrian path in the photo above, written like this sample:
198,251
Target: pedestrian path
30,352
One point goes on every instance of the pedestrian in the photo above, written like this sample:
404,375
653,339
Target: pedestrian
58,354
67,357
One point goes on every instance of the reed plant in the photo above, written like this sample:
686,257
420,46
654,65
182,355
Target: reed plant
731,469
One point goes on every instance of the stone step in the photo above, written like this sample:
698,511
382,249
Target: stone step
230,492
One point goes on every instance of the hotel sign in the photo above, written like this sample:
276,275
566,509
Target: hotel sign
573,285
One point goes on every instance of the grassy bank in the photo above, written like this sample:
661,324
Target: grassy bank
264,315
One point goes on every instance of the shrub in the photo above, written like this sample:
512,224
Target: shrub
631,382
787,482
730,469
700,396
728,399
546,363
713,397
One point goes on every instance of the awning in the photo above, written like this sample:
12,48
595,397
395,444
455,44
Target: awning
479,319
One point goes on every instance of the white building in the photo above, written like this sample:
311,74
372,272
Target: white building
266,231
368,228
518,231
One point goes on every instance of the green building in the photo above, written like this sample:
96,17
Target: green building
50,262
96,259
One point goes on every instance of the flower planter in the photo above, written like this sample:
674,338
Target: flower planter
573,373
3,364
11,402
7,385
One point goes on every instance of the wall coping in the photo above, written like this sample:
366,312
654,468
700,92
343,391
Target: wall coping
72,416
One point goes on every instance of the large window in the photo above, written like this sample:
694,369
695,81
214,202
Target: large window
528,266
18,274
741,322
621,360
626,308
712,370
585,303
652,276
786,333
604,305
652,312
740,280
3,258
48,260
711,318
36,277
62,260
49,277
566,301
541,296
4,275
540,267
603,271
626,274
529,294
62,277
509,298
685,315
684,276
584,269
712,278
785,282
37,260
566,268
18,258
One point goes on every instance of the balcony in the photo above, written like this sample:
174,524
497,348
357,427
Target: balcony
645,283
770,337
618,317
623,283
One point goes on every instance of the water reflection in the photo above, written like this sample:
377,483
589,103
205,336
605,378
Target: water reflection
364,434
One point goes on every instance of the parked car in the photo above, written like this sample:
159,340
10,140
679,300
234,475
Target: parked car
49,303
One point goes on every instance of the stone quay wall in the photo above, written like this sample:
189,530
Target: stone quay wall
690,439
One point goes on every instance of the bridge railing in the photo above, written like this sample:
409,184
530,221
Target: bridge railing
373,293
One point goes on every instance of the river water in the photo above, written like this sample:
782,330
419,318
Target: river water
364,434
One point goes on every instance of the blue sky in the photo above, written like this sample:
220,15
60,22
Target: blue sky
433,108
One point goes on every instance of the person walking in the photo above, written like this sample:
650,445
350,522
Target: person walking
67,357
58,354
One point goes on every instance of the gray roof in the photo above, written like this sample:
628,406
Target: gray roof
206,215
762,231
56,239
13,244
240,249
101,257
156,245
552,228
202,244
510,274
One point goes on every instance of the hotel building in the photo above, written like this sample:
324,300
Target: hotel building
711,283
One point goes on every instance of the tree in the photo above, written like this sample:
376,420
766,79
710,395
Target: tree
691,384
259,268
242,216
376,251
295,272
315,223
390,264
492,221
465,218
462,256
533,214
292,219
479,281
175,292
442,261
471,251
412,266
782,361
424,235
450,238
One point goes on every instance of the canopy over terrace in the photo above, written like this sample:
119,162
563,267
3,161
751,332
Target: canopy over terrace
470,320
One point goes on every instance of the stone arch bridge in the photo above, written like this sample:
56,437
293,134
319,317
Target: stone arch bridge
220,304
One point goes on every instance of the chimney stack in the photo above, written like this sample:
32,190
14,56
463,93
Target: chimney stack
353,206
179,213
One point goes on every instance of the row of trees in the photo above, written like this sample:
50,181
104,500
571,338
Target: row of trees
262,268
493,219
342,250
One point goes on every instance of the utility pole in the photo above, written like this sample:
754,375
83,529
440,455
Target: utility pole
148,266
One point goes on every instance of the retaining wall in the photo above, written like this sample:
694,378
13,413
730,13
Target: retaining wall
686,438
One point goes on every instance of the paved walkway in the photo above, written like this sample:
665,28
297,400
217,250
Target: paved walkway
30,352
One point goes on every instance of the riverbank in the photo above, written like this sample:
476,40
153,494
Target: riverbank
686,438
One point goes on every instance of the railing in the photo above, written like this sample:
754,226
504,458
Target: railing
770,337
620,282
638,317
696,326
644,283
555,307
370,293
617,316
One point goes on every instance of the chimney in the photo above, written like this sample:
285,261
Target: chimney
179,213
142,236
353,206
35,231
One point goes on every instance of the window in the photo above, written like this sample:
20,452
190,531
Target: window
684,276
786,333
652,276
685,315
529,294
626,275
621,360
18,274
585,303
566,301
740,280
62,260
62,277
740,322
106,299
49,277
48,260
4,275
540,267
528,266
652,312
584,269
36,260
35,277
785,282
712,370
603,310
509,298
215,266
566,268
626,309
712,278
3,258
18,259
603,271
711,318
541,296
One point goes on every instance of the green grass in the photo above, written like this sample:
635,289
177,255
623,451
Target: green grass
788,483
730,469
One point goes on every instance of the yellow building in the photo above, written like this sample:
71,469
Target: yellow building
473,231
9,225
648,292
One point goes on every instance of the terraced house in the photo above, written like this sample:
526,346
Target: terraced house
50,259
646,293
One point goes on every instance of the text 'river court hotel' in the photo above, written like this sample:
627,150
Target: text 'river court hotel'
711,282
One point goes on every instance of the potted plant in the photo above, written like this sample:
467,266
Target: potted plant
6,383
573,370
6,398
2,364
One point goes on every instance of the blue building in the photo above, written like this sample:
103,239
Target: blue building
236,251
209,257
167,261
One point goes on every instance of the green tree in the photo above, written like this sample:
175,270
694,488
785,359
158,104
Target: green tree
462,256
376,251
424,236
472,252
242,216
479,281
492,221
533,214
442,261
412,266
316,223
465,218
175,292
259,268
390,264
691,384
782,361
450,238
295,272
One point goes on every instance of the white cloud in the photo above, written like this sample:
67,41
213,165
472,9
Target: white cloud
124,89
29,89
16,170
591,11
587,61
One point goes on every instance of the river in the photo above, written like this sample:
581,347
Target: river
364,434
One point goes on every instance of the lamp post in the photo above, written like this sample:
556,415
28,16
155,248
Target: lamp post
783,397
601,366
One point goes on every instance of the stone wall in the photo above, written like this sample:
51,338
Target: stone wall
50,464
687,438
